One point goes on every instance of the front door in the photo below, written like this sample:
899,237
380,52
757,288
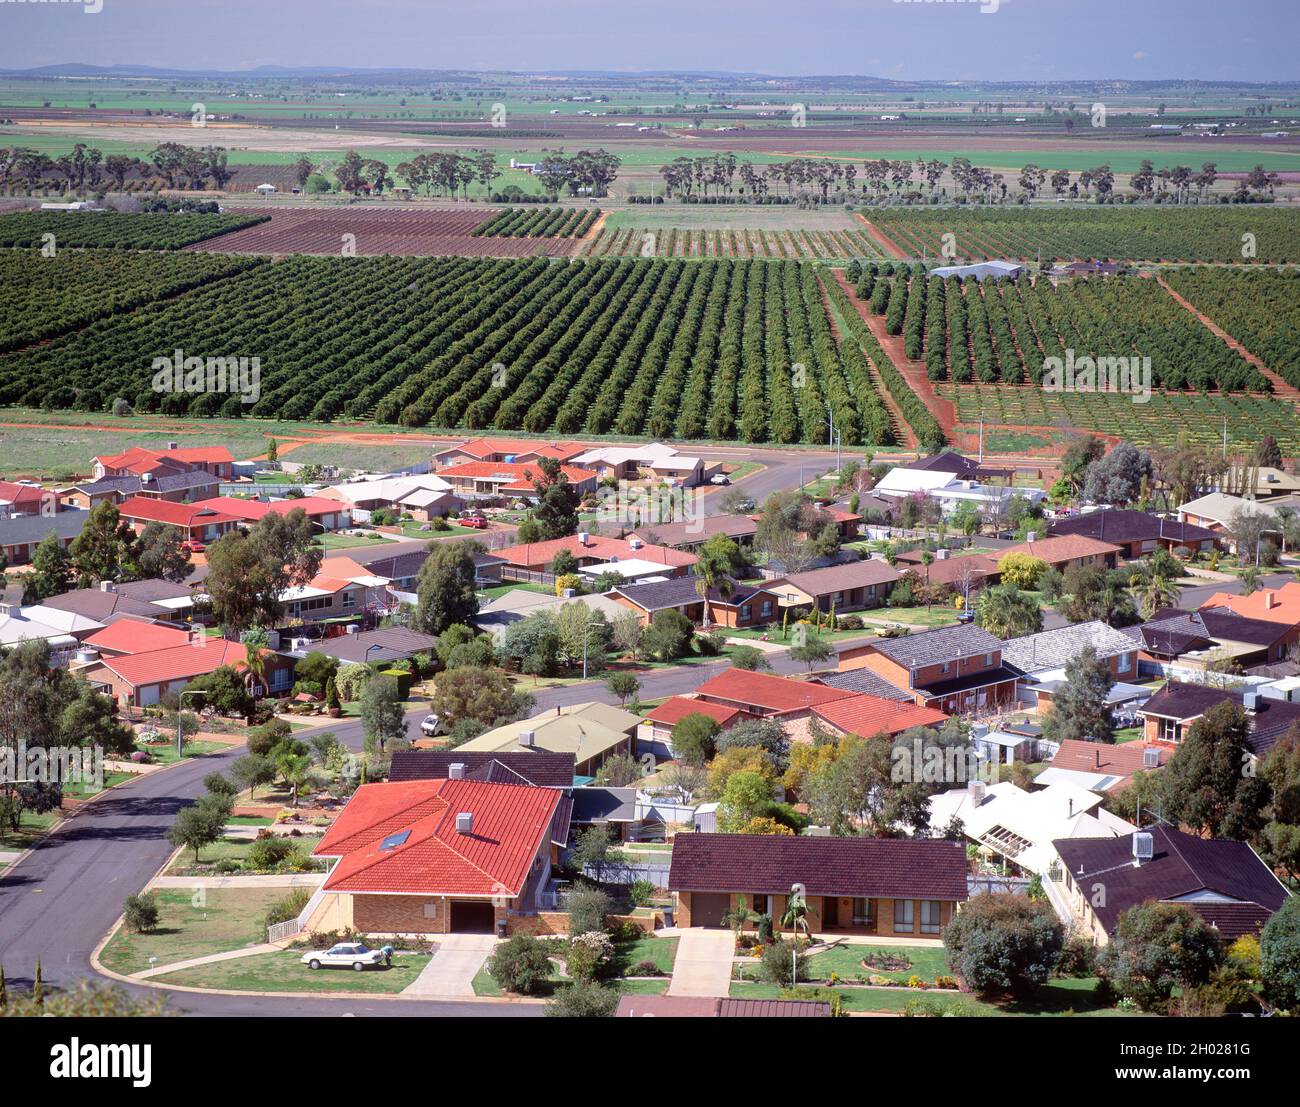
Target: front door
830,912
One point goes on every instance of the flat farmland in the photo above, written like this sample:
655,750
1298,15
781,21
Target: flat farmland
1169,233
411,232
719,349
743,242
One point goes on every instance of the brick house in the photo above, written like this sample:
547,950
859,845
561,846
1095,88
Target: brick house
439,856
1224,882
957,669
324,512
142,679
195,522
1169,714
181,488
510,480
137,461
748,605
886,886
590,549
851,586
498,451
1198,638
1138,533
691,535
18,499
1060,552
20,536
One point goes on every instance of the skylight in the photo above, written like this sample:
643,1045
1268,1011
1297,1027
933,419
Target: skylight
395,840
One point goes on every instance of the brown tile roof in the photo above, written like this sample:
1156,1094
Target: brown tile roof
840,578
1058,548
771,864
675,534
674,709
1122,759
872,715
702,1007
951,570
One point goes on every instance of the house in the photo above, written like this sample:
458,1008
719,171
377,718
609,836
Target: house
863,681
1137,533
129,636
519,603
741,605
326,513
1224,882
957,669
60,629
874,716
902,483
1198,639
438,857
385,644
1102,767
195,522
21,498
1060,552
619,810
959,466
693,533
20,535
1041,658
1275,605
1215,512
216,460
657,728
1022,826
478,480
338,591
536,768
964,574
183,487
1265,481
423,496
884,886
1169,714
981,271
143,679
499,451
591,732
654,460
852,586
152,600
767,696
399,562
588,549
702,1007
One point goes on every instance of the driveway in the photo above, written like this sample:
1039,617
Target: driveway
703,963
455,963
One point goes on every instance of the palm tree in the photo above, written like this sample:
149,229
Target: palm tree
795,917
740,915
1155,593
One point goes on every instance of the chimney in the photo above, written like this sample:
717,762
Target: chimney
456,770
975,792
465,822
1270,599
1250,701
1097,756
527,738
107,586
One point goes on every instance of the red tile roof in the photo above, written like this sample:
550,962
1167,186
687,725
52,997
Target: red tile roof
176,662
871,715
126,636
13,493
673,710
195,455
178,515
772,693
1276,605
522,474
1122,759
510,824
598,547
256,509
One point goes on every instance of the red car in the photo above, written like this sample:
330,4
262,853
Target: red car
193,546
475,522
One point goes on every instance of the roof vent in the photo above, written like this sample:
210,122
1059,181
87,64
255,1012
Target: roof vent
465,822
584,538
1030,535
1151,758
941,554
635,543
146,478
528,738
1143,847
456,770
1250,701
975,792
107,586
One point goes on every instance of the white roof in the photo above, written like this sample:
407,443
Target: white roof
1094,782
65,622
628,569
902,482
655,452
1219,507
1010,817
174,603
20,628
303,592
389,488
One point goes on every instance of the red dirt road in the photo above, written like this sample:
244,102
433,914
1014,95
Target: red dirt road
881,239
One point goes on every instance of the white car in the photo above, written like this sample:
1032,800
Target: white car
345,955
720,478
431,727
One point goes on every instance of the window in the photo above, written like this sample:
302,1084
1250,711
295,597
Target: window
1125,662
929,916
903,916
988,661
761,906
945,667
349,599
766,608
864,912
1169,730
746,611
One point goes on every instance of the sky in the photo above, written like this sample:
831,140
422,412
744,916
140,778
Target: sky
1246,40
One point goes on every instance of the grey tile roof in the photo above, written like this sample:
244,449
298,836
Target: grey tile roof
393,642
681,591
930,647
94,604
594,804
539,767
864,680
28,529
1051,649
1122,525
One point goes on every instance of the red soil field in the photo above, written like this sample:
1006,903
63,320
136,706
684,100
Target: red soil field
402,231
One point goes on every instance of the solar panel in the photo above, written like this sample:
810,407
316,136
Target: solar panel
395,840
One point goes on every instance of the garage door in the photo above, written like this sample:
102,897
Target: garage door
709,908
472,917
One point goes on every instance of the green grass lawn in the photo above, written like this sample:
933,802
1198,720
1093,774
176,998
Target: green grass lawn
30,827
496,592
164,753
249,820
662,951
1128,734
83,789
284,972
224,849
928,962
226,919
333,541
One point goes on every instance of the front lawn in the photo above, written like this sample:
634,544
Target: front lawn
83,789
224,919
225,849
332,541
30,827
164,753
282,971
928,962
662,951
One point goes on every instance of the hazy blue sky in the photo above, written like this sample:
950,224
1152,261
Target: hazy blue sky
1046,39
